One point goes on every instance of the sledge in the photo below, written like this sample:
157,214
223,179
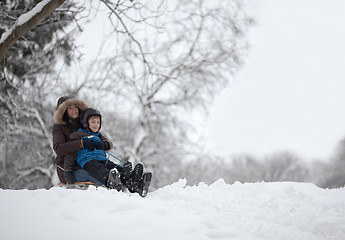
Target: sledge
141,186
78,185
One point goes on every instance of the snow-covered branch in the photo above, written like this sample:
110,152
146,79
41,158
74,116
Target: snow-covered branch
26,22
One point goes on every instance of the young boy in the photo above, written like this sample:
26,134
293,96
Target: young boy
93,158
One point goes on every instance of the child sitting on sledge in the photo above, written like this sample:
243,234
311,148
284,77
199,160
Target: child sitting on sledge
93,158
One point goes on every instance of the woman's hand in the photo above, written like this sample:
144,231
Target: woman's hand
69,177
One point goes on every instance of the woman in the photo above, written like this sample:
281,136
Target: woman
66,121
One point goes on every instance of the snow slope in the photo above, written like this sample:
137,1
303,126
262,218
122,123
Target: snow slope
284,210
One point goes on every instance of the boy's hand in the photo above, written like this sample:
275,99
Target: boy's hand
100,145
91,145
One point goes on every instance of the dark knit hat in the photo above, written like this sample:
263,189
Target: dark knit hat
63,99
85,115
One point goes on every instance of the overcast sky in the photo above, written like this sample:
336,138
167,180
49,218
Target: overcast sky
290,94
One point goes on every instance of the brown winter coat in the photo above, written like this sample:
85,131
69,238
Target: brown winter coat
61,131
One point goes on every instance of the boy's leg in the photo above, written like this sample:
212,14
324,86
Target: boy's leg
97,170
109,164
106,171
125,170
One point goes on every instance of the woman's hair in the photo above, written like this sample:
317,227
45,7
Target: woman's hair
63,99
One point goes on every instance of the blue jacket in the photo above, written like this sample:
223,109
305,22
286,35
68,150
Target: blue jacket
85,155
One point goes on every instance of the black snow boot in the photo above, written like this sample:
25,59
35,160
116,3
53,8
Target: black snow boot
114,180
144,184
133,184
126,171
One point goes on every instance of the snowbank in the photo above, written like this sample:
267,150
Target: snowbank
284,210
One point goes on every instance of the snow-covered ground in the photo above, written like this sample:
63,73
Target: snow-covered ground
285,210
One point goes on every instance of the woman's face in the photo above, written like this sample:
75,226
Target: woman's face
73,111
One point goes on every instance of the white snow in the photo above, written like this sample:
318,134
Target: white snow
284,210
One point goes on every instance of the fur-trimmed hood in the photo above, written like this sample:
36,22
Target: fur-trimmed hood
58,117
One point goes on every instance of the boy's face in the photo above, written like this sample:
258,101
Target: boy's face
94,123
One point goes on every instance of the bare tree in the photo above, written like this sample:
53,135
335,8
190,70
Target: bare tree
180,55
25,89
166,60
334,172
285,166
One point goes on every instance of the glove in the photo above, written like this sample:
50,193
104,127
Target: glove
91,145
69,177
100,145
